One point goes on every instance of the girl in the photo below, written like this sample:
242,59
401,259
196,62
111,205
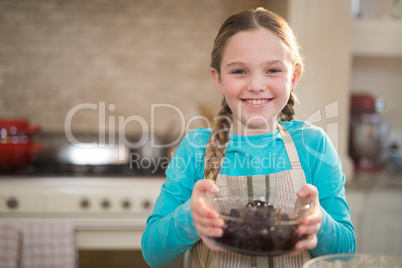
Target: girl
256,65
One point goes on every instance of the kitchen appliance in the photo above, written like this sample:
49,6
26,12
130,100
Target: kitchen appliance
368,130
107,199
16,145
108,213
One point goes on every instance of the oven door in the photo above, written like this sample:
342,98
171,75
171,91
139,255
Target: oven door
103,245
113,246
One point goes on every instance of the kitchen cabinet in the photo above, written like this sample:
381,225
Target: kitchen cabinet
356,201
380,38
377,217
384,218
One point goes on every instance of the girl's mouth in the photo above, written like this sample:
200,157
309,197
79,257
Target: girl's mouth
256,101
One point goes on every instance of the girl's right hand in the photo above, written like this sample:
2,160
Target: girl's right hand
206,220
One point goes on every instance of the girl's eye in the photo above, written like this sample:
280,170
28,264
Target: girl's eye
273,71
238,71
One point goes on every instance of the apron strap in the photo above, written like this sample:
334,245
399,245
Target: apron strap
290,147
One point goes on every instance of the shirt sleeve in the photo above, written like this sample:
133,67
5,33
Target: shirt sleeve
170,229
336,234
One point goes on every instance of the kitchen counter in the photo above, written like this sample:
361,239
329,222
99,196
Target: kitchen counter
374,201
372,181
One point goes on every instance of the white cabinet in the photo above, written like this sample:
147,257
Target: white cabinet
377,217
381,38
383,232
356,201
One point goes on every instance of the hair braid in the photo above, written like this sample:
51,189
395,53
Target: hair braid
218,141
201,255
288,112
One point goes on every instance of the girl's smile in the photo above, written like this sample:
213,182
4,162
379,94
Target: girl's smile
256,78
256,102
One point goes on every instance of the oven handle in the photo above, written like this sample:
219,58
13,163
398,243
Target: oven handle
112,237
103,227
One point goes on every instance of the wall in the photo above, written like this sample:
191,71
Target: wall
55,55
324,88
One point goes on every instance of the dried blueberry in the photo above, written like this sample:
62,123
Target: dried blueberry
258,231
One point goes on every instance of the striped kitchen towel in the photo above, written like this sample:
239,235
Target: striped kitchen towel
47,244
9,245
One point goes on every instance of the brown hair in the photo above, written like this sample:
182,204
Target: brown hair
247,20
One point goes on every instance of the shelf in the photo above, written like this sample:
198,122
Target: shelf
382,38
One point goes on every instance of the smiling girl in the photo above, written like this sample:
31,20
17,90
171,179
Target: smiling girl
256,65
256,77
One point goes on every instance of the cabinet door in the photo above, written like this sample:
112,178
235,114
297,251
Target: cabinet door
384,223
356,202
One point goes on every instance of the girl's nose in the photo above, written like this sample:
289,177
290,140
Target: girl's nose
256,84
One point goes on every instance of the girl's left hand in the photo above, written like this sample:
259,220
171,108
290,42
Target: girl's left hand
311,223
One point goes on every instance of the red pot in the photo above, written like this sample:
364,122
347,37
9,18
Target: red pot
17,127
16,145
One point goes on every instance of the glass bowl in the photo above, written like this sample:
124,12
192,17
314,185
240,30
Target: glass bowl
354,261
259,221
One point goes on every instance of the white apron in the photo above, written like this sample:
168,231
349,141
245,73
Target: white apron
289,180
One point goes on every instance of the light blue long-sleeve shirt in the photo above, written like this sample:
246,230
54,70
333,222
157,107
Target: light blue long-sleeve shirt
170,228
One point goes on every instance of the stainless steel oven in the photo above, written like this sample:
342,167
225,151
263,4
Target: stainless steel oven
107,203
108,213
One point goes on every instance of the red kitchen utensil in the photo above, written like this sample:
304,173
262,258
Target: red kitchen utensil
16,146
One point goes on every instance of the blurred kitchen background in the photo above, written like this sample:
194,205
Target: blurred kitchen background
123,56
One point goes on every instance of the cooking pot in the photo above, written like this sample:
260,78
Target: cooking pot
17,127
148,153
16,145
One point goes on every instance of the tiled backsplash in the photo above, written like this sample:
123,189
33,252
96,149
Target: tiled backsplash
114,58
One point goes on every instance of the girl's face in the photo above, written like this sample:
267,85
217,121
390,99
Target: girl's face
256,78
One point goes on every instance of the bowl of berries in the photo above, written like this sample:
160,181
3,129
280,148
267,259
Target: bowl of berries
259,221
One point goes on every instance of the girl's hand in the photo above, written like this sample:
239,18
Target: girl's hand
312,223
206,220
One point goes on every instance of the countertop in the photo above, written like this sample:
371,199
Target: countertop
374,181
359,181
